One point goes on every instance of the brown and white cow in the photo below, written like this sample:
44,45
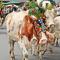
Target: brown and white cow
20,28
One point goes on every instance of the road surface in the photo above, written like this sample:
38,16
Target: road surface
18,55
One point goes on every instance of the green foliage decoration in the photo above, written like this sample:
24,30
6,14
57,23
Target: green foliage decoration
1,4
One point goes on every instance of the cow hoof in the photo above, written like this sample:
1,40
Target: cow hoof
24,59
41,58
51,51
34,54
57,45
12,59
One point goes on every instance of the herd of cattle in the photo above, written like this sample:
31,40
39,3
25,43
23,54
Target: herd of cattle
21,29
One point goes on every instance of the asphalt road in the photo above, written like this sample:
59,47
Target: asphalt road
18,55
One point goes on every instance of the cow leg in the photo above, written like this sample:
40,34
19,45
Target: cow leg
40,53
50,48
40,56
51,28
45,49
11,52
42,50
25,54
57,42
33,50
24,50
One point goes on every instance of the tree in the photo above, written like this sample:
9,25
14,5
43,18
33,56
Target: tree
1,4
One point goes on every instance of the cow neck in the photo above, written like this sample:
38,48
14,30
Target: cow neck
37,35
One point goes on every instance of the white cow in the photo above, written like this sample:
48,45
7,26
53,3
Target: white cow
14,21
49,19
57,28
53,19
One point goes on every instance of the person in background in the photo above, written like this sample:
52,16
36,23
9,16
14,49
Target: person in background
14,9
57,9
1,13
